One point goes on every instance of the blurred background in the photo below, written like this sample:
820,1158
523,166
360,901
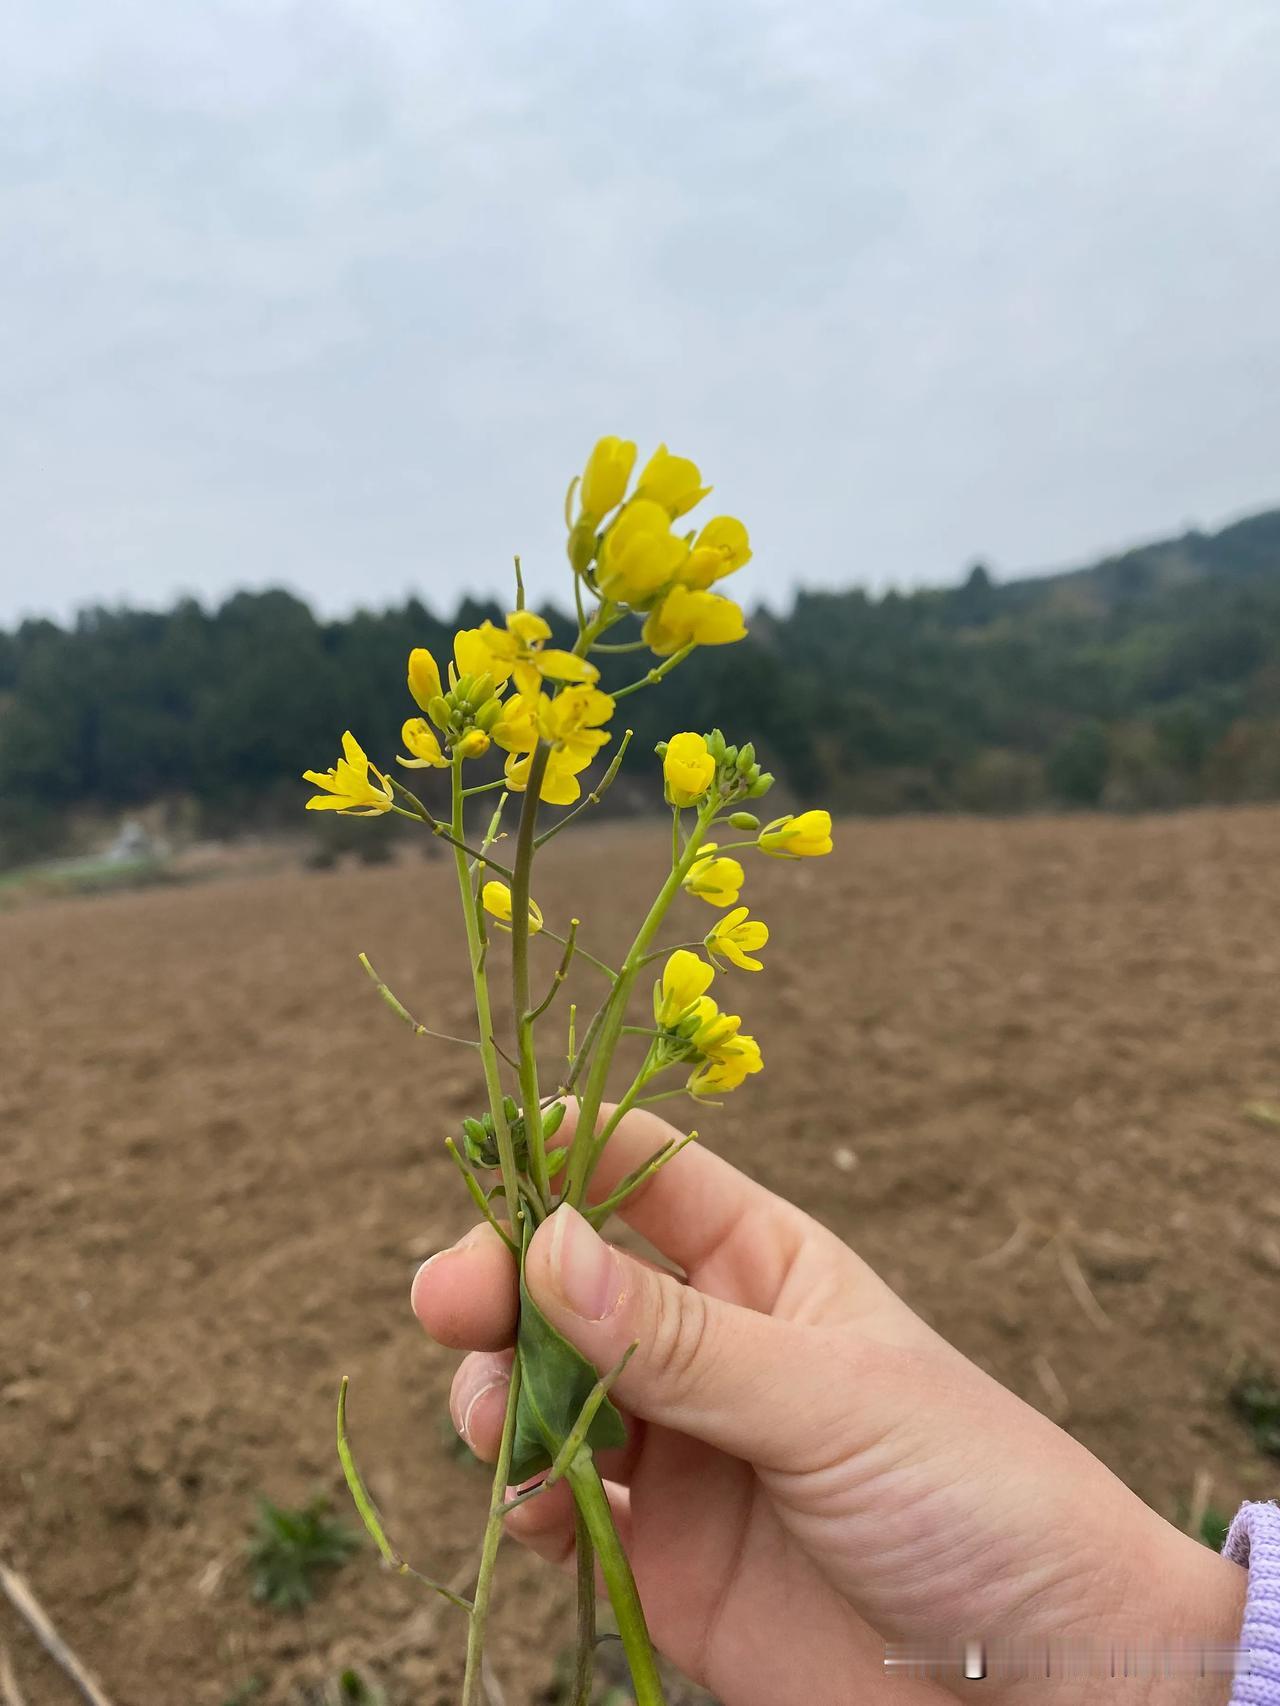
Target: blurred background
308,316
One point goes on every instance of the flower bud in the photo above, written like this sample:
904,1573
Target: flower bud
473,744
552,1119
744,820
488,714
761,785
746,757
438,710
582,546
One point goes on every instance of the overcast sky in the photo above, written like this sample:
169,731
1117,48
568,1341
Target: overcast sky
336,294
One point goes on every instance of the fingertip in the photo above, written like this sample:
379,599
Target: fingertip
478,1401
465,1296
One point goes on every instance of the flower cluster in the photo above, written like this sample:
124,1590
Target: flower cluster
509,691
627,552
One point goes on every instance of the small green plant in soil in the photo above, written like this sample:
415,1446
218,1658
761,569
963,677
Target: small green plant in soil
290,1549
1255,1398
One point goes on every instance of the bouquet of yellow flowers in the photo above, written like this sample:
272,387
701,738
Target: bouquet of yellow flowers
550,713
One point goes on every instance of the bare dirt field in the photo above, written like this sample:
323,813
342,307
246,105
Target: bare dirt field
221,1163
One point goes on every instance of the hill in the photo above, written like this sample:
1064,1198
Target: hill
1151,678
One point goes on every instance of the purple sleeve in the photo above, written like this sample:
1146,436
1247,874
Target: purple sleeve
1254,1540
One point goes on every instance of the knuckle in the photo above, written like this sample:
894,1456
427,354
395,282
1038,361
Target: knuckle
678,1335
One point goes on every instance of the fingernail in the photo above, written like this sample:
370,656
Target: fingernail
584,1269
464,1427
465,1403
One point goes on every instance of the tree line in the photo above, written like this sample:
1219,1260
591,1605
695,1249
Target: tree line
1150,679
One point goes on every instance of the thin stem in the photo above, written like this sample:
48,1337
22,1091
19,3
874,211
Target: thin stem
593,1502
369,1511
402,1012
671,948
473,1689
583,1150
621,646
653,676
484,1014
522,1009
452,835
601,1211
561,971
584,1663
479,1198
579,1059
594,797
581,952
485,787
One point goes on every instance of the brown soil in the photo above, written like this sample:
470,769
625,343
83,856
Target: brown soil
222,1163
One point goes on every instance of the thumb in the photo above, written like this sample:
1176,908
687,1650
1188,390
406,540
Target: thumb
760,1389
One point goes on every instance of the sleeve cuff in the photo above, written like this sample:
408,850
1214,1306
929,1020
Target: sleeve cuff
1254,1541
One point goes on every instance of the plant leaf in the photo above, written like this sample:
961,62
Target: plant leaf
555,1382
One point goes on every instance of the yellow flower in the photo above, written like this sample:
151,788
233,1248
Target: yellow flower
719,549
672,481
710,1031
424,677
497,902
519,650
727,1056
572,720
604,479
517,728
728,1068
473,656
423,745
570,723
691,616
717,881
738,936
347,787
473,744
685,979
803,837
639,555
560,785
689,769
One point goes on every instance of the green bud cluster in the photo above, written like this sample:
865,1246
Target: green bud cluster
480,1137
471,703
738,775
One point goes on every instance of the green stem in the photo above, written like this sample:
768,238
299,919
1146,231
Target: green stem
595,796
563,942
653,676
584,1149
593,1505
484,1013
473,1689
522,1005
585,1658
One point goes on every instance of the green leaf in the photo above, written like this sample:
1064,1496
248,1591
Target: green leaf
555,1382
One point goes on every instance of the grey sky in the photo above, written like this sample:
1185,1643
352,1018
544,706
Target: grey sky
337,293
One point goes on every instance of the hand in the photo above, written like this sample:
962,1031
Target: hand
810,1469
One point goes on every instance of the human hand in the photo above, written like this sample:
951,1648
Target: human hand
810,1469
